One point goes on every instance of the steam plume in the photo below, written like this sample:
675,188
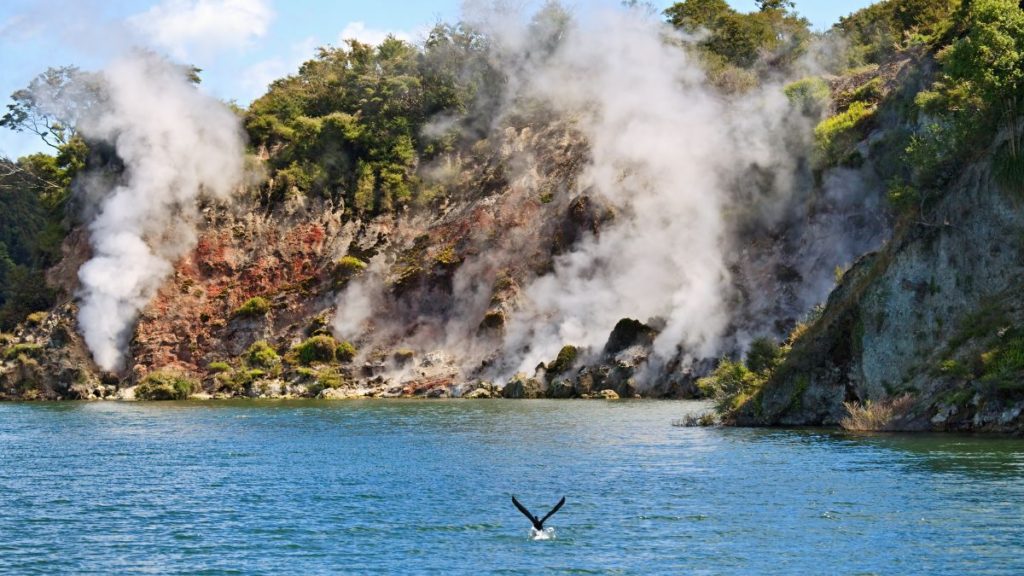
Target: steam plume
689,172
177,146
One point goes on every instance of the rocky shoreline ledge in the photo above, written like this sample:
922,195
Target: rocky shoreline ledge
46,359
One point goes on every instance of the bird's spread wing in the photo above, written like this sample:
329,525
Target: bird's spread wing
553,510
524,510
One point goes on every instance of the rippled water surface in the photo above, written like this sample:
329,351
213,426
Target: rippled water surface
409,487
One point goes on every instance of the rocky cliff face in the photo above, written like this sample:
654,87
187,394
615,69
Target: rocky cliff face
926,332
252,310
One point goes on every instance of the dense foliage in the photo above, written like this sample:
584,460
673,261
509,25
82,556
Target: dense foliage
33,194
356,121
876,32
737,44
975,95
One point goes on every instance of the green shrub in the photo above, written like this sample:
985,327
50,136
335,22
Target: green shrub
837,136
219,367
36,318
329,378
954,368
870,92
447,256
565,359
253,307
345,352
904,198
810,95
262,355
230,383
162,385
730,385
763,356
27,349
348,268
1004,364
316,349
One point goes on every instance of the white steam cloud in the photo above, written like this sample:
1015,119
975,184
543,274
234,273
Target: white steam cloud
659,143
688,173
177,145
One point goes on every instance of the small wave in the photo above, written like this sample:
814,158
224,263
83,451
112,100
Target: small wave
545,534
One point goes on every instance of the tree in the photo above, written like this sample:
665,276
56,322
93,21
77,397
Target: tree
765,5
989,62
52,104
692,15
773,36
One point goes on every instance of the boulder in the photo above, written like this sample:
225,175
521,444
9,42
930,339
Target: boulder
629,332
440,392
337,394
608,395
561,388
522,387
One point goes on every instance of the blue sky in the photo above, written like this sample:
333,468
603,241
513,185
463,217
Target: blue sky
240,44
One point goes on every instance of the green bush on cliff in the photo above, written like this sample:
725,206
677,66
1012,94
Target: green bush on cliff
326,378
447,256
733,383
1003,366
772,35
262,355
253,308
837,136
730,385
764,356
347,268
810,95
37,318
219,367
876,32
870,92
318,349
164,385
345,352
26,349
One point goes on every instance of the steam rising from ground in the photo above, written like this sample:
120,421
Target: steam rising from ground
661,146
684,168
177,146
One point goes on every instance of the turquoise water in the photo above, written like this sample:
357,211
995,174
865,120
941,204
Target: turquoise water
422,487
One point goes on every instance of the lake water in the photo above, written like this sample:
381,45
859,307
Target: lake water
423,487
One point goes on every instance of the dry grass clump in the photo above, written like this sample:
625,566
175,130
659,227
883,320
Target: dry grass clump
874,416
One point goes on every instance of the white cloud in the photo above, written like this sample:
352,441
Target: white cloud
257,77
373,36
185,27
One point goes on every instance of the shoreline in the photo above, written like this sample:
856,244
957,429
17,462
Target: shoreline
204,399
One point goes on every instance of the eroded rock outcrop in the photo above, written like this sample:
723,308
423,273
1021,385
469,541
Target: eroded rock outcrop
937,316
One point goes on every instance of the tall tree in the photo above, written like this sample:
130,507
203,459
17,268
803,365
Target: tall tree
989,62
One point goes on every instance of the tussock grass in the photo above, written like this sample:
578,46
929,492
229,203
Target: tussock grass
875,416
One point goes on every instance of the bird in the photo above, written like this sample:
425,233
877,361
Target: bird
538,523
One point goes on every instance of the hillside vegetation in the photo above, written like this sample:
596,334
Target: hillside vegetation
421,178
